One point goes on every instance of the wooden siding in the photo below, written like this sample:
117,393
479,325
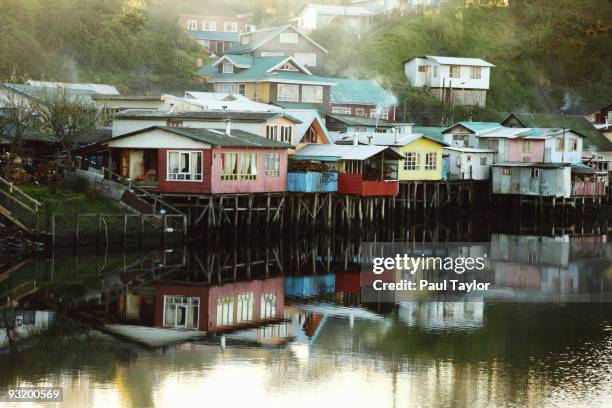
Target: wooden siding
174,186
354,184
161,290
421,146
349,183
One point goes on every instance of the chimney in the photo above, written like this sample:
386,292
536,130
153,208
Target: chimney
369,139
355,140
199,63
228,127
470,117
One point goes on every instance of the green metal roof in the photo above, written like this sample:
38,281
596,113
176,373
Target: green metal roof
593,138
476,126
216,137
41,92
215,35
360,120
360,91
260,37
258,71
433,132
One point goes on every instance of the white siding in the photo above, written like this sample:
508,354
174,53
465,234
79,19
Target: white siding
157,139
551,155
419,79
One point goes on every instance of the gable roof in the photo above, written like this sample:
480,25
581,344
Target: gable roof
247,116
524,133
359,120
214,137
360,91
475,127
431,131
261,37
262,69
307,117
344,152
473,62
578,124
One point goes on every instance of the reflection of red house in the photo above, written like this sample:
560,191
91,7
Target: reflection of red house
218,308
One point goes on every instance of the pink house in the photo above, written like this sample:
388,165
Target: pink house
193,160
526,150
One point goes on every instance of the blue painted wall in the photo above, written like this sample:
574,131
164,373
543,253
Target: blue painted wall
312,182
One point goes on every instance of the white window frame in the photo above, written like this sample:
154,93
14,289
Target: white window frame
435,71
422,68
381,113
239,175
573,145
268,306
242,89
192,25
475,72
411,161
227,87
209,25
284,89
245,305
341,110
272,54
272,164
177,175
233,27
360,112
306,59
288,38
429,164
312,93
228,67
527,146
225,311
506,172
183,301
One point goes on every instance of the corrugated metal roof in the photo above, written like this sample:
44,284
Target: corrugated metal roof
476,62
95,88
360,91
360,120
43,93
206,114
384,139
345,152
434,132
215,137
470,150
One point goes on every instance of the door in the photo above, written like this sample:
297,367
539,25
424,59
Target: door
136,164
124,166
181,315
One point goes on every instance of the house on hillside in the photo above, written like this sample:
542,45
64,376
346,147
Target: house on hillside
353,19
286,40
398,6
279,80
356,124
362,97
362,170
275,125
216,34
198,161
594,112
457,81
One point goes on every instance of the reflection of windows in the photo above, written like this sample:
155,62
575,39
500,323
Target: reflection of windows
225,311
238,166
272,164
313,94
184,166
288,93
244,307
180,311
431,161
412,161
268,306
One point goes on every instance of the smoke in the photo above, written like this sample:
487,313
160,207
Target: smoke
569,101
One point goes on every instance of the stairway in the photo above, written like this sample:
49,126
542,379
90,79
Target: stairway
16,196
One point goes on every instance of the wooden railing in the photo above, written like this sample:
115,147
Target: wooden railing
140,192
19,197
17,293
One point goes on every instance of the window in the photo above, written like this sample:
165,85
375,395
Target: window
174,122
526,147
360,129
431,161
506,172
288,66
225,311
238,166
535,173
435,71
313,94
288,38
244,307
230,27
468,158
360,111
560,144
184,166
228,67
285,132
483,161
381,113
455,71
412,161
475,72
341,110
309,60
180,311
268,306
573,145
279,133
209,25
192,25
246,39
310,136
288,93
272,164
242,89
229,88
423,68
272,132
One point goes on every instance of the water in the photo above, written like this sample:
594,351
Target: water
300,335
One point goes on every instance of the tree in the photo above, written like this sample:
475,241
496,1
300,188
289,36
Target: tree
17,117
64,116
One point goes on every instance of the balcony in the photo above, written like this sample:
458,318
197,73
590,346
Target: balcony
355,184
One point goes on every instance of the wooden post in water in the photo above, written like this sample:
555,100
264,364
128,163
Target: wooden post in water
76,231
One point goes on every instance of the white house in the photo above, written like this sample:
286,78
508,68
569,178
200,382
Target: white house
459,81
315,16
402,6
469,162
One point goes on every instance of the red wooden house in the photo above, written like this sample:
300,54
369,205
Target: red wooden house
199,161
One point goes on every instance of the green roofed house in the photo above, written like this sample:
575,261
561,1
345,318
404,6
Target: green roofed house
463,134
278,80
362,97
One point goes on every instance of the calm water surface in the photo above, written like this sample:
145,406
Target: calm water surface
299,334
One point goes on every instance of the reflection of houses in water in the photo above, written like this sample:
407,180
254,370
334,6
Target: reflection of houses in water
443,315
20,324
310,286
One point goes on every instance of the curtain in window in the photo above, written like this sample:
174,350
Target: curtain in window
248,164
228,163
196,164
173,162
